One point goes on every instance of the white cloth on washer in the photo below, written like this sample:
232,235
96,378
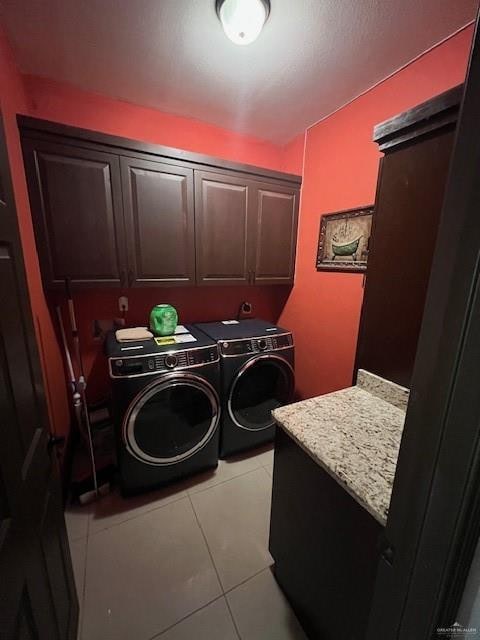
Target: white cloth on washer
132,334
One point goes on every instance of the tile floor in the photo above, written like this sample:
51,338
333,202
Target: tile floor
187,562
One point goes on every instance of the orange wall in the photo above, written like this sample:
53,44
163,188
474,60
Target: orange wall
13,99
340,172
63,103
293,155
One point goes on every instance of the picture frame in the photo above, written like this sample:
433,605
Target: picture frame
344,240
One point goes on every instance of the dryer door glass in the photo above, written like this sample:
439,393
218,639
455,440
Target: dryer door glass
171,420
262,384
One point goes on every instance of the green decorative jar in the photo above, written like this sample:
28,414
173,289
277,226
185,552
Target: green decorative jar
163,320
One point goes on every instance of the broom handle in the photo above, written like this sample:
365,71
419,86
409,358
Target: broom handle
73,324
90,441
66,350
76,340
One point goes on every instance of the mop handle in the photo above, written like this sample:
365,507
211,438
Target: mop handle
73,325
90,441
83,396
65,348
71,309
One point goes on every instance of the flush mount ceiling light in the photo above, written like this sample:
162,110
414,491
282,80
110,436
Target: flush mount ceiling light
242,20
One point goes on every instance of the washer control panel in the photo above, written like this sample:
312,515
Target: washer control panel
161,362
255,345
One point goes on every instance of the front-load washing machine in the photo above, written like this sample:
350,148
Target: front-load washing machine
257,376
166,408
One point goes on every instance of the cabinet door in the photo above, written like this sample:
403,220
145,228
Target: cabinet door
223,228
159,218
275,233
76,204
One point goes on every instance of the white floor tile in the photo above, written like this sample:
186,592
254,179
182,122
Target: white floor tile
146,574
266,459
265,451
235,518
227,469
112,509
213,622
262,612
269,470
76,520
78,551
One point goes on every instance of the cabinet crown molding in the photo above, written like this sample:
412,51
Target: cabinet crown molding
425,118
35,126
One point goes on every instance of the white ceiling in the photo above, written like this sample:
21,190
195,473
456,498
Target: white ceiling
312,56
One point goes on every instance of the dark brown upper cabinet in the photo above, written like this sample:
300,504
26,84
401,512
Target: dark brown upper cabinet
223,228
246,231
108,211
410,190
77,214
276,211
159,220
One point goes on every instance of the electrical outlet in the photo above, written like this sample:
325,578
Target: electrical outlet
123,303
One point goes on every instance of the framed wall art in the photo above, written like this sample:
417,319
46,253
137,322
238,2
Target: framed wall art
344,239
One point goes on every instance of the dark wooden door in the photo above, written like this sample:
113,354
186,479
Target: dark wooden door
159,218
37,593
407,212
275,234
224,227
76,202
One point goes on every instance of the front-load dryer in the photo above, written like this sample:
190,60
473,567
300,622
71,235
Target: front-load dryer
166,408
257,376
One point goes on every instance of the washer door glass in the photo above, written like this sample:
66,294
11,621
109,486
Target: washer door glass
262,384
171,419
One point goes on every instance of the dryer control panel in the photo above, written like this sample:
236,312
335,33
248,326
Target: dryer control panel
155,363
255,345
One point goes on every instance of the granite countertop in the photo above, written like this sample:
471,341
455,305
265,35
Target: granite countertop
354,434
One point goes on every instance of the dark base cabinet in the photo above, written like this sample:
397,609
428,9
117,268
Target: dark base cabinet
325,546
